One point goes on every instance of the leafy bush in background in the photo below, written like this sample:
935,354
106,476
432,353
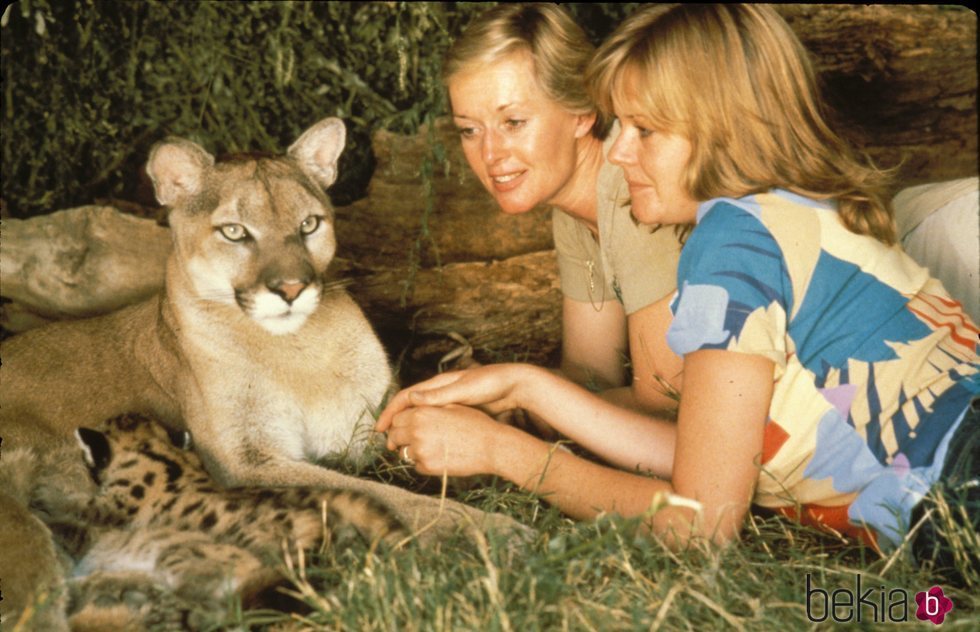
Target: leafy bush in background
89,86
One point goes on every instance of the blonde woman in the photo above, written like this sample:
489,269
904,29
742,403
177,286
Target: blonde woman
530,133
825,373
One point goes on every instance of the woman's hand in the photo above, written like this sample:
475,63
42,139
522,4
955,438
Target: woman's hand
452,440
493,389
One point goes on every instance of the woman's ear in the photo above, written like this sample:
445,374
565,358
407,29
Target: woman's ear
584,124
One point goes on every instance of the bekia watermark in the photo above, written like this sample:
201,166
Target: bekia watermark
874,603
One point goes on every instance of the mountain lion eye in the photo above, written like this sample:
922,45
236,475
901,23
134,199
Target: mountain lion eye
233,232
309,225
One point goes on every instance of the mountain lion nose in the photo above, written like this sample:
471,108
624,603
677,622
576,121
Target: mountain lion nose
289,290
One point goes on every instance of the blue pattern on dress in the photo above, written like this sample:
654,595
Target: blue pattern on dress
699,320
758,284
848,314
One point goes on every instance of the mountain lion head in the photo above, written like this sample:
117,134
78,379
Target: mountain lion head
255,234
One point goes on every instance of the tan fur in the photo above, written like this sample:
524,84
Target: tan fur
195,356
129,601
262,396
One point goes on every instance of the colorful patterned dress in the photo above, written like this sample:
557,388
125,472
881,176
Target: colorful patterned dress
874,363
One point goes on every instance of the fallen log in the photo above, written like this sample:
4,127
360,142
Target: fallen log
903,79
81,262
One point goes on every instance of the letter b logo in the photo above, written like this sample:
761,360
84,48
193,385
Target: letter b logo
933,605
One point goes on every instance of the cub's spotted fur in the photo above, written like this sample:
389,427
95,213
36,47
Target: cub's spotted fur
157,512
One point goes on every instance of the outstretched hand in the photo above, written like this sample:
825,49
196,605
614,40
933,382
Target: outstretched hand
446,425
493,389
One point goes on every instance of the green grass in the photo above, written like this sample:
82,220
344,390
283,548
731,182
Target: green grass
598,576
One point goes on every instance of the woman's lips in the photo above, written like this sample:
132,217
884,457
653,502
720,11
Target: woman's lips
508,181
636,187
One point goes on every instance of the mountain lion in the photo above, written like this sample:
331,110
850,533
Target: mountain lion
248,347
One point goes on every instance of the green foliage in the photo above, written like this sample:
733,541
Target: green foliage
89,85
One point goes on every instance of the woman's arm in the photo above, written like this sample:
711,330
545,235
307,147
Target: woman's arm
594,354
718,441
625,438
723,411
462,441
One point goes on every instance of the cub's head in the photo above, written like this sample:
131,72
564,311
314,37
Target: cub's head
132,452
254,234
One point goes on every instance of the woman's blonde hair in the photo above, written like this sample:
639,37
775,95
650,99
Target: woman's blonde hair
736,82
558,47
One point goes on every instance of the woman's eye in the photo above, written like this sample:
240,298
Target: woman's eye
514,123
643,132
466,132
309,225
233,232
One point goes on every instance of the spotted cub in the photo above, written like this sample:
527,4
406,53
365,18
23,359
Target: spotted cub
157,514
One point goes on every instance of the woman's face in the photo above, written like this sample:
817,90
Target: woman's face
519,143
653,163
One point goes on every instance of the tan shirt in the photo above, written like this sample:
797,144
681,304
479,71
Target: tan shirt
629,263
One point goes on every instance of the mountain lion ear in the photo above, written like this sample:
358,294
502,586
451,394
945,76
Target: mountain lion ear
318,150
176,167
95,447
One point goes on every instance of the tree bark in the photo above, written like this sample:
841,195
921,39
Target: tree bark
508,310
903,79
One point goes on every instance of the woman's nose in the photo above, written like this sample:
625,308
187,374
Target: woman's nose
493,147
619,153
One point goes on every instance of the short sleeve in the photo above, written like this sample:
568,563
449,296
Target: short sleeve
733,288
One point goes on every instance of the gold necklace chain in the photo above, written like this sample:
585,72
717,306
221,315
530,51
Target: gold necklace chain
590,264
